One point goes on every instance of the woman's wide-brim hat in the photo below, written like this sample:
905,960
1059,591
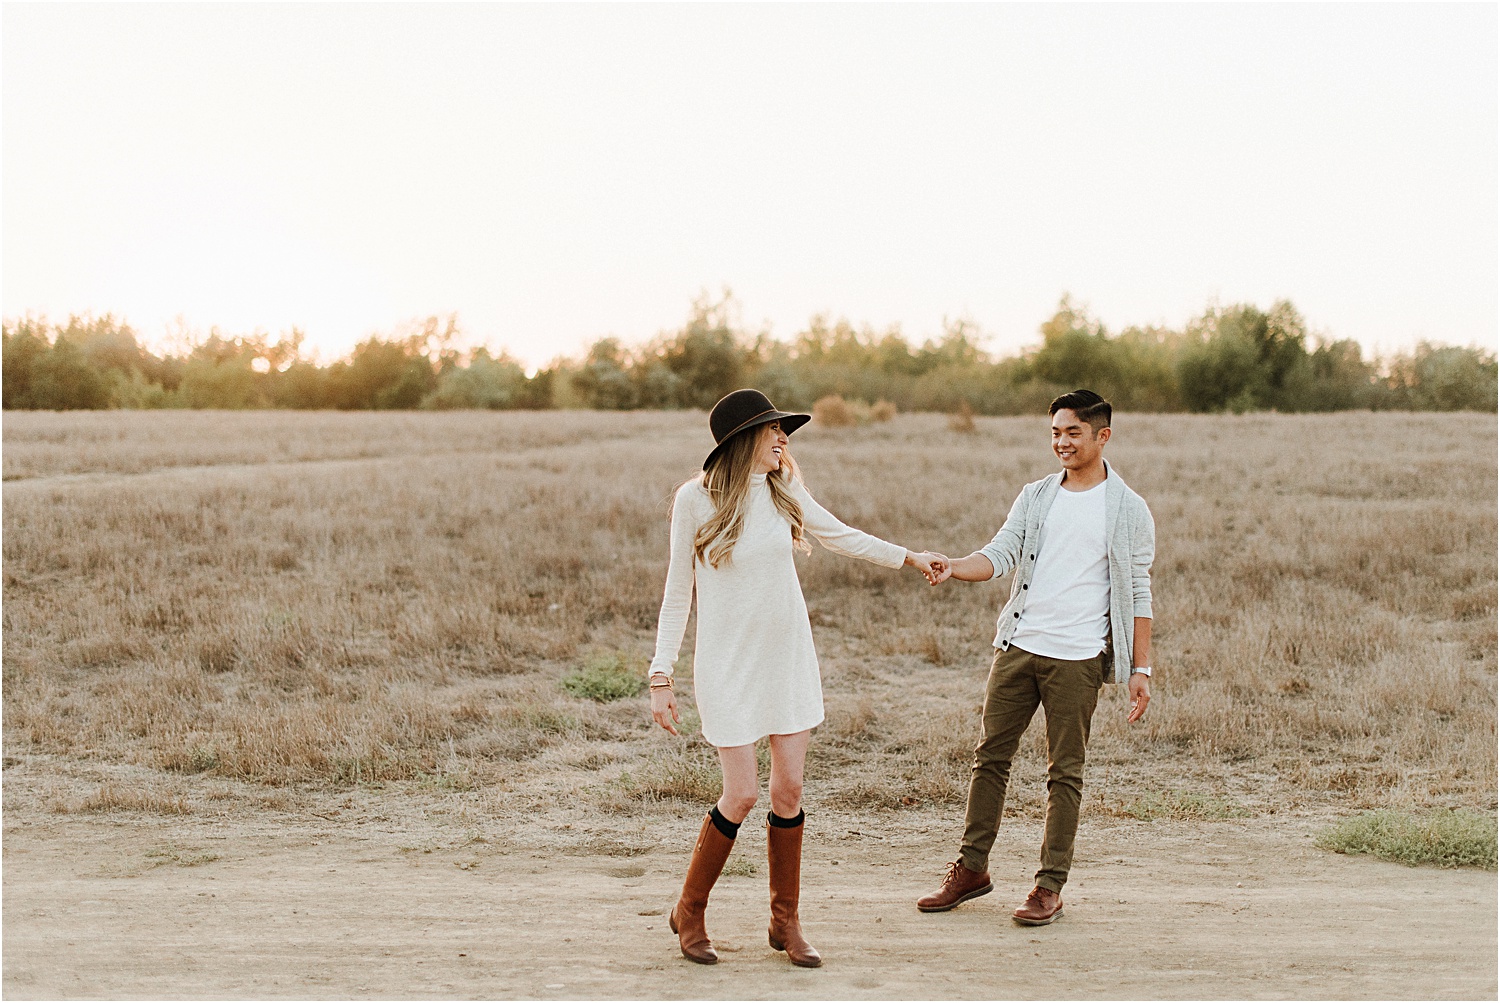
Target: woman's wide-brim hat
747,409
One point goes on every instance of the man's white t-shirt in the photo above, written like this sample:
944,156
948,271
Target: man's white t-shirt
1067,611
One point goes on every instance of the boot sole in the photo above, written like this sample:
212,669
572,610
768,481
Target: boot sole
958,901
1038,922
776,945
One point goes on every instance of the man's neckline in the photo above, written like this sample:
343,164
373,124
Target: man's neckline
1062,483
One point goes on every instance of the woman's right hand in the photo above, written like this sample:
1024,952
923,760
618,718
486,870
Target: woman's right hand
664,708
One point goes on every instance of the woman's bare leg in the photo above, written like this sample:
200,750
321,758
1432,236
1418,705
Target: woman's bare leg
741,781
788,754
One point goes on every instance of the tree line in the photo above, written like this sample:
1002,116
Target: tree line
1236,358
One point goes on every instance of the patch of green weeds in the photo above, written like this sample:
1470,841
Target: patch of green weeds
610,675
201,759
1446,838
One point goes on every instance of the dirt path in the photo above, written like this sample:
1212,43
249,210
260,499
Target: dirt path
141,906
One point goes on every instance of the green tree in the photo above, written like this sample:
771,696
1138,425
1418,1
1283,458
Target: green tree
1241,358
706,355
1077,352
604,379
25,346
484,382
384,375
539,391
1340,378
1444,378
63,380
1220,372
220,373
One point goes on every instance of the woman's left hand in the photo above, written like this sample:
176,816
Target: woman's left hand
664,708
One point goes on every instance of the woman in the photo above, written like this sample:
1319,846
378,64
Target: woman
755,672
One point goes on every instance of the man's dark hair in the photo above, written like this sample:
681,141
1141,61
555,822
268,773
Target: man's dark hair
1087,405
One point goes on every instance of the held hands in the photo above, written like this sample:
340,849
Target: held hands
664,705
934,567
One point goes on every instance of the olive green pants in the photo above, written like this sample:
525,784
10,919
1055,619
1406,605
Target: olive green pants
1068,692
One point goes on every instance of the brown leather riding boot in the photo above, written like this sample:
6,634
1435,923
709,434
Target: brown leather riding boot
686,918
784,850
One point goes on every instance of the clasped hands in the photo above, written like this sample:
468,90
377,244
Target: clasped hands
934,567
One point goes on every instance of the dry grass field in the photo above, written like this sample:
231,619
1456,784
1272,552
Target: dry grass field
347,598
250,615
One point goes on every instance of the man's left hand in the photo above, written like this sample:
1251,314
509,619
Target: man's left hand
1140,696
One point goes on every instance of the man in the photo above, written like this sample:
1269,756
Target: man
1079,615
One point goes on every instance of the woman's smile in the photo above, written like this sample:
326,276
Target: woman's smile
773,444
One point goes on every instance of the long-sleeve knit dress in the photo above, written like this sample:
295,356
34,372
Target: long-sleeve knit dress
755,672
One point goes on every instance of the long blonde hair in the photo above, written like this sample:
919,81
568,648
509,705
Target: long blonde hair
727,481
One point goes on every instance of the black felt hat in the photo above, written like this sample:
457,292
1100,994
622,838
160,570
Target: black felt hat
746,409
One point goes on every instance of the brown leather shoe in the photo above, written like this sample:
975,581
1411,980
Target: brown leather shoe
959,885
1042,906
686,917
784,852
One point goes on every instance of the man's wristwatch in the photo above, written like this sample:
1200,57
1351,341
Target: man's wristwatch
1144,670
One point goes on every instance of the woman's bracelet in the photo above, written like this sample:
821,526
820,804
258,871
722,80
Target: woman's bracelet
665,682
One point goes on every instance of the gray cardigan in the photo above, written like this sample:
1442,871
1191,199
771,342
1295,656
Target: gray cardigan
1132,545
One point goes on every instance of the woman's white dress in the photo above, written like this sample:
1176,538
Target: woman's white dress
755,672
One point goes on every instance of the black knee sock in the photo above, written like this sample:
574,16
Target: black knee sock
786,823
728,828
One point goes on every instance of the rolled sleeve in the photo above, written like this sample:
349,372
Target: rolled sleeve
1142,554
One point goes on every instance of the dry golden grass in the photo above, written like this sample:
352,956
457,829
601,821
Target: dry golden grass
834,411
962,420
132,442
217,603
125,797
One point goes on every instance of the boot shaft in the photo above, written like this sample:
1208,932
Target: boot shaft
710,853
784,855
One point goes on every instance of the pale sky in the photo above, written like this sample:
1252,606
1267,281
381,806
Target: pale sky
555,174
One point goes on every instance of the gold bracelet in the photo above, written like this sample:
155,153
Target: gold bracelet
663,685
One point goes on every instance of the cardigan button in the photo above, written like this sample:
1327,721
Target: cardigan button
1018,616
1025,586
1033,557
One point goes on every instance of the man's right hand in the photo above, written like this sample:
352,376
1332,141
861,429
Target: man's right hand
1139,686
974,568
